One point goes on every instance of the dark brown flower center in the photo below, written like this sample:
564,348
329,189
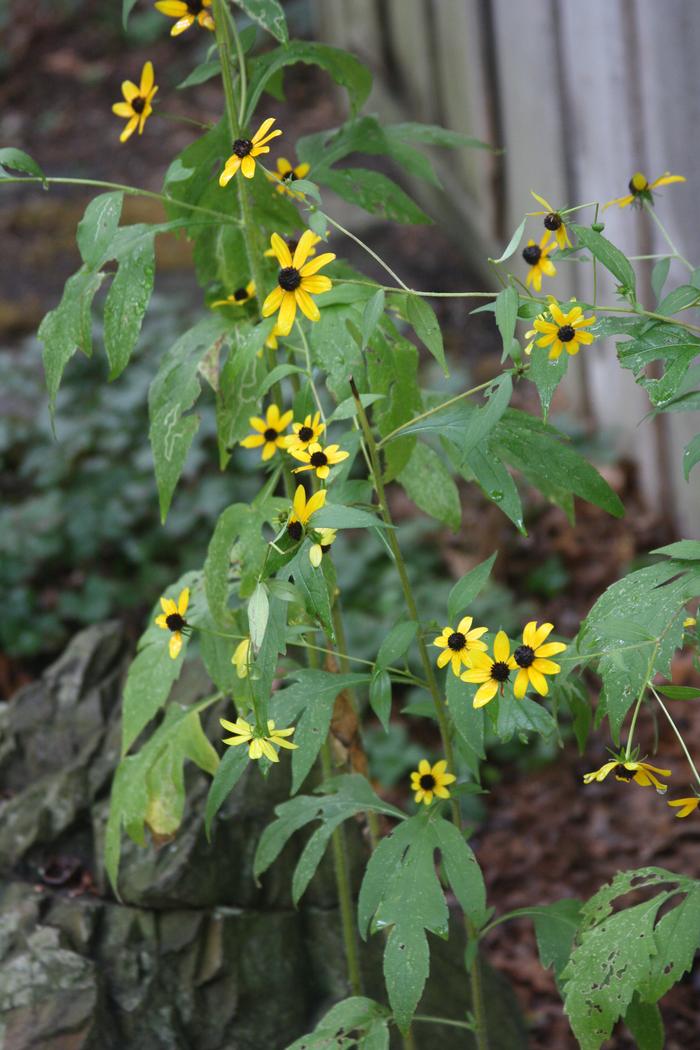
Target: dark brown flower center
625,774
305,434
524,655
566,333
319,459
292,244
289,176
500,671
295,530
532,254
427,782
271,434
289,278
242,147
552,221
195,7
635,190
240,295
325,547
456,641
138,104
175,622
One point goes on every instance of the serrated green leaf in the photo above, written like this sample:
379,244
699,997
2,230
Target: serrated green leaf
313,584
677,937
431,486
682,550
658,276
13,159
615,261
127,301
392,370
367,1021
467,720
468,587
546,375
421,317
268,14
240,382
462,871
674,346
555,928
681,298
98,226
496,483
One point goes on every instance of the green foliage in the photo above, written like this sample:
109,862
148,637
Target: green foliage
430,485
354,1022
13,159
346,70
269,15
610,256
468,587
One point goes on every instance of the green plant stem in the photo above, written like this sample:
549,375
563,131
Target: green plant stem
477,995
427,1019
649,208
377,258
676,730
180,118
131,191
243,80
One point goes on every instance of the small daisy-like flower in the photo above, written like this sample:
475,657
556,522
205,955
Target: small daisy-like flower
626,769
287,174
317,458
297,281
688,805
173,619
137,108
457,645
240,658
239,297
564,331
536,256
552,221
324,539
490,673
259,743
428,781
187,12
532,659
303,510
246,150
306,433
268,431
292,243
640,189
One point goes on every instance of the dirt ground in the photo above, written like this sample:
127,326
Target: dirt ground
545,836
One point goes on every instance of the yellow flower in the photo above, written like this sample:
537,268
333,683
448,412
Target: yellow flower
297,281
324,539
317,458
306,433
303,509
286,173
239,297
240,658
427,781
690,621
535,255
625,769
491,674
271,341
259,743
689,805
268,431
552,221
640,189
564,331
531,658
136,108
292,243
173,619
456,645
187,12
246,150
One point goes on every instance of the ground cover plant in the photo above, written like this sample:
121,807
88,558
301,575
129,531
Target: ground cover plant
312,373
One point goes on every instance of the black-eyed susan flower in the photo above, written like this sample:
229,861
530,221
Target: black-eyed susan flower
687,805
491,673
428,781
564,331
303,510
536,256
532,659
640,189
240,297
246,150
553,221
241,658
626,769
268,431
323,540
287,174
136,108
187,12
259,742
292,243
173,619
458,644
297,281
306,433
318,458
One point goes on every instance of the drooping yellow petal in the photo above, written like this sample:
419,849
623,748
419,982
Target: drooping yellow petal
273,303
175,644
287,313
306,304
485,693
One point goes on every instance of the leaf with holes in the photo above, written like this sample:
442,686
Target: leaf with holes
355,1022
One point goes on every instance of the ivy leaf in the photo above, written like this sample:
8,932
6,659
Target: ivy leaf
12,159
430,485
421,316
466,590
615,261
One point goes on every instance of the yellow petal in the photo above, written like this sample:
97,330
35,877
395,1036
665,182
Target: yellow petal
287,313
303,248
316,264
501,647
522,680
182,24
175,644
183,601
263,129
273,303
147,78
281,250
248,166
485,693
129,129
122,109
306,304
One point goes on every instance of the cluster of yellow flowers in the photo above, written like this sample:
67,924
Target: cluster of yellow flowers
303,444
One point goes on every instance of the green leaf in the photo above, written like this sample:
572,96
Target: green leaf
374,308
231,769
691,456
258,613
431,487
12,159
482,421
462,871
506,308
277,373
546,375
421,316
610,256
201,73
677,936
513,243
467,720
344,68
337,516
98,226
314,586
127,301
240,382
269,15
347,409
434,135
172,393
373,192
679,692
392,370
127,7
683,550
674,346
555,928
380,696
495,481
466,590
396,643
646,1025
680,298
659,275
68,328
367,1021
